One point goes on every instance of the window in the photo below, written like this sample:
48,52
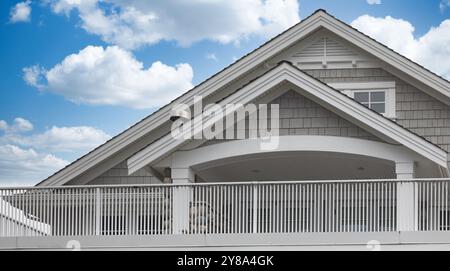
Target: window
378,96
375,100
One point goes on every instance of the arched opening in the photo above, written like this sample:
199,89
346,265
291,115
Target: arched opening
295,158
295,166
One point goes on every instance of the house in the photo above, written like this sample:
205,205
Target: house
349,149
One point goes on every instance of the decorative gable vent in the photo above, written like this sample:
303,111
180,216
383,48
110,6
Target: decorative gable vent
324,51
324,47
317,49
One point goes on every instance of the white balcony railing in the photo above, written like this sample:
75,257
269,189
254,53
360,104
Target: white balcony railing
225,208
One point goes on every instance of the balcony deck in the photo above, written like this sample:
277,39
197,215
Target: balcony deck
206,212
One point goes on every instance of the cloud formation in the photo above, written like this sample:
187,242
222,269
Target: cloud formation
374,2
24,166
131,24
19,125
112,76
26,159
431,50
21,12
32,75
211,56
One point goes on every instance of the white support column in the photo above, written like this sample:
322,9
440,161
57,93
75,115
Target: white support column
407,197
182,197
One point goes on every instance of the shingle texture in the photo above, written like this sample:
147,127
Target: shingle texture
301,116
416,110
119,175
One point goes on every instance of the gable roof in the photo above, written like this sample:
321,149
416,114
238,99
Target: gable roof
286,72
319,19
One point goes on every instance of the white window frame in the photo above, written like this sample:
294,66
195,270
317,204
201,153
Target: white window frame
350,88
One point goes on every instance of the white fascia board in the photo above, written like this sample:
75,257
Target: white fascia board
322,92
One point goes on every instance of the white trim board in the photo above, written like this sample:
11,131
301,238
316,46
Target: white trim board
335,144
285,72
363,85
319,19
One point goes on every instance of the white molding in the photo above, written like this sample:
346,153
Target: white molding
319,92
242,66
363,85
335,144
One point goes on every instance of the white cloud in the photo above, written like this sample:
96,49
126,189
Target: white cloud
32,75
65,139
131,23
373,2
21,12
3,125
211,56
18,126
22,125
431,50
20,166
27,159
112,76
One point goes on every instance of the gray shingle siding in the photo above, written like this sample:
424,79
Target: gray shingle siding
423,114
119,175
415,109
301,116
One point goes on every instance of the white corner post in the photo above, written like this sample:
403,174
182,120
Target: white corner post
407,197
181,199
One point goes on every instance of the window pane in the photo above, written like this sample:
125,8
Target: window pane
378,96
362,97
380,108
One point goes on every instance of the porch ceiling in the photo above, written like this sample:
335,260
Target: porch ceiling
296,166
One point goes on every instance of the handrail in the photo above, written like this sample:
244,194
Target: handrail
223,183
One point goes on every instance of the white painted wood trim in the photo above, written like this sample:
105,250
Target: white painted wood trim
336,144
320,92
364,85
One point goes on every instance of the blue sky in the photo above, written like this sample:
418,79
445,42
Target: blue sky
52,116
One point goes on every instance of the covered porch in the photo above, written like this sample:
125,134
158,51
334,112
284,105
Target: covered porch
237,187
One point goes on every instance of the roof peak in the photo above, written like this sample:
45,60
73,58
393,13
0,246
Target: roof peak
321,10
